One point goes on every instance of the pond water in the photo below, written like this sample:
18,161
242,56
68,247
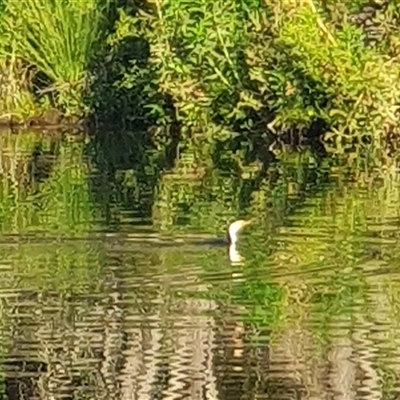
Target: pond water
110,287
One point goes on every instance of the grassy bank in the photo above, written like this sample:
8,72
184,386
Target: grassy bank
228,71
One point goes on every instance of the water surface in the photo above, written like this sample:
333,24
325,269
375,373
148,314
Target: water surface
109,288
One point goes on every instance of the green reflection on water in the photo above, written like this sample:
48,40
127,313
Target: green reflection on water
45,198
322,256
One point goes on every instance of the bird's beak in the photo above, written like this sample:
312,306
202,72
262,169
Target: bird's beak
248,222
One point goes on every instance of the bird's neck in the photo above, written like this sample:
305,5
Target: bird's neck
232,237
234,255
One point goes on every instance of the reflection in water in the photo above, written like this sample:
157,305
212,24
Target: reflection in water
90,311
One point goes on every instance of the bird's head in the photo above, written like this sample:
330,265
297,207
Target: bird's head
235,227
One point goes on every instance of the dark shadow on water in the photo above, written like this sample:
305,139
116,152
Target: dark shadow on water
246,371
125,137
21,382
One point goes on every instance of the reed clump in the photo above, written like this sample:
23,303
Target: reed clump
56,41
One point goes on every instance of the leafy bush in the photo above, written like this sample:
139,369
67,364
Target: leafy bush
213,71
273,67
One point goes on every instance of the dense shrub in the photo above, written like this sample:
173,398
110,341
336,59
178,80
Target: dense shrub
214,70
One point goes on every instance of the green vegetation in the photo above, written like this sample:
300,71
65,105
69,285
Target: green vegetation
229,69
53,42
58,38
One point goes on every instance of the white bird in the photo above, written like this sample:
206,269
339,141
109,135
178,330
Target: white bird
233,232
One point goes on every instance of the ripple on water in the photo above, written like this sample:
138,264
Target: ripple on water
124,312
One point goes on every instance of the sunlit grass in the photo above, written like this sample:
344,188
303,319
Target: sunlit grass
16,100
57,37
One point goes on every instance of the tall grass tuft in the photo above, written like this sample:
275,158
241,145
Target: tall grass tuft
59,38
